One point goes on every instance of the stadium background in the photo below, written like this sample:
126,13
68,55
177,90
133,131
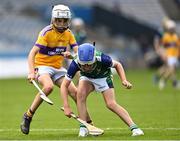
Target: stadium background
123,29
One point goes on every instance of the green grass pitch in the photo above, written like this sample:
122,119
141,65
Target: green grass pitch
156,112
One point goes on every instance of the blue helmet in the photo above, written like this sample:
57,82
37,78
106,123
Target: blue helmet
86,54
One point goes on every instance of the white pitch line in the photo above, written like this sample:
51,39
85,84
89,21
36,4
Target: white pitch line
40,130
88,140
149,128
75,129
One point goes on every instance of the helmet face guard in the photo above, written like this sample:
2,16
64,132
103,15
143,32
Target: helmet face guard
61,24
86,54
61,12
88,68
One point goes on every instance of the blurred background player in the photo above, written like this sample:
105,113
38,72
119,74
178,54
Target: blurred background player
78,28
45,59
160,51
168,50
179,52
95,69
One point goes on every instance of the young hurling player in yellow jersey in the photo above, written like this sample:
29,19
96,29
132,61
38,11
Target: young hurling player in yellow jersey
170,42
46,58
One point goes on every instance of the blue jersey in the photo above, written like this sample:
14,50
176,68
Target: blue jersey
101,68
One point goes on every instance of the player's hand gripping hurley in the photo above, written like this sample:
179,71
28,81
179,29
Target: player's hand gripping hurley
42,94
92,129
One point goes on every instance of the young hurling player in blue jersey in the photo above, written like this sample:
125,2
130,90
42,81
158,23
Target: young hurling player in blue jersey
95,69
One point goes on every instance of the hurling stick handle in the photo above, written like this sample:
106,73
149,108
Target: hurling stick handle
74,116
35,84
42,94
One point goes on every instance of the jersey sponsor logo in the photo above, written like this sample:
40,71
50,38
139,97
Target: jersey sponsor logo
59,50
56,51
51,50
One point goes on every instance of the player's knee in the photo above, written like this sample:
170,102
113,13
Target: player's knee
81,98
48,89
81,95
111,105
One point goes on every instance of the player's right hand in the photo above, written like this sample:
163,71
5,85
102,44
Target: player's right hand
127,84
31,76
67,111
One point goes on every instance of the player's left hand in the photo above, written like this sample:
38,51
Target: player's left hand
127,84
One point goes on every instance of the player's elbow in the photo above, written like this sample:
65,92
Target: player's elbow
117,65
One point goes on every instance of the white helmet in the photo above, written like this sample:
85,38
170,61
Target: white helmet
170,24
61,12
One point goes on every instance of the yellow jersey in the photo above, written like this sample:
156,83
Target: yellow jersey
179,47
171,45
52,43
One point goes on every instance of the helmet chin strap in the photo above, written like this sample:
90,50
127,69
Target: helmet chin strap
61,30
